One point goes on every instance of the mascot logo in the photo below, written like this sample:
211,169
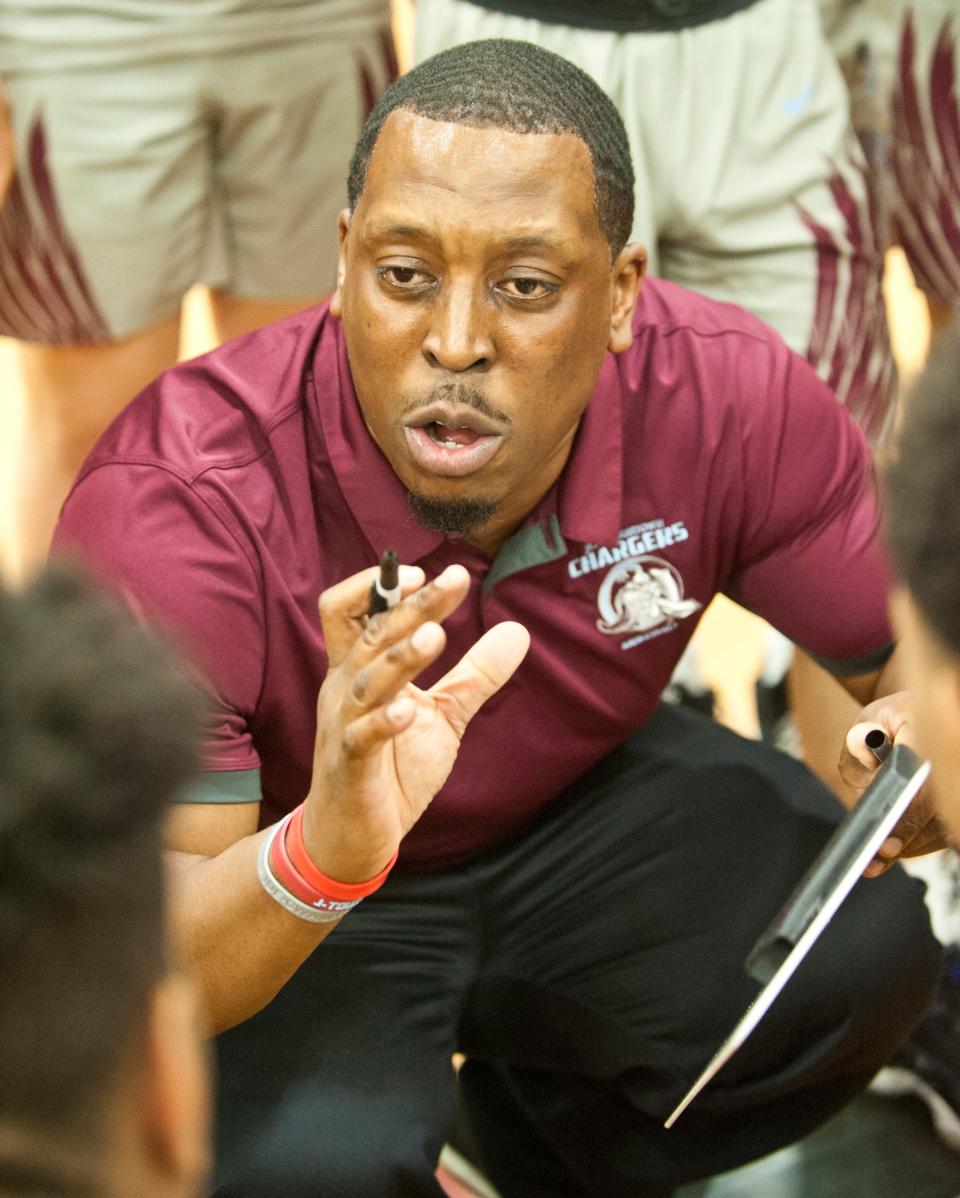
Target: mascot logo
641,593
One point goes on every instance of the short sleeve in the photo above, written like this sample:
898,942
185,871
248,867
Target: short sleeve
145,532
810,555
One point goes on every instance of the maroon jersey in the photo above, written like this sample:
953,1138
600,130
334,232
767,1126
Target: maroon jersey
240,485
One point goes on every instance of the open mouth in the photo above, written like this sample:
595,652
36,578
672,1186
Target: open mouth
452,438
452,445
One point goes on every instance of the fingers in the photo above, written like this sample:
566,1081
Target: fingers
364,735
380,679
858,763
394,646
481,672
914,836
434,601
344,607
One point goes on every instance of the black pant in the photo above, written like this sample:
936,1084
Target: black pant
588,969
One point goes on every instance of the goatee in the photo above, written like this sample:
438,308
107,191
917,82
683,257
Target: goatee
451,517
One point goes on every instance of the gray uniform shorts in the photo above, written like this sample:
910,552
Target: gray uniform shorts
135,181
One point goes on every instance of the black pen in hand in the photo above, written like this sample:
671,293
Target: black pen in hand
879,744
385,590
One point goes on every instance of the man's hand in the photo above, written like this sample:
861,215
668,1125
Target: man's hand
384,747
919,830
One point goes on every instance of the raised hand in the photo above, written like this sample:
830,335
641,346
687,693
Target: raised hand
384,746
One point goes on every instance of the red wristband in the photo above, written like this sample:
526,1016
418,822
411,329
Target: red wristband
286,873
330,888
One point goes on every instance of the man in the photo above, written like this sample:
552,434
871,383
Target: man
104,1084
922,483
493,394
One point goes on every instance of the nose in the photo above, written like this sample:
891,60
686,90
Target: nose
459,337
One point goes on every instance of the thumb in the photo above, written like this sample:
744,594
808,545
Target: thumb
481,672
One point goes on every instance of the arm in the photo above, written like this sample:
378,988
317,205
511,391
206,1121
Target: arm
866,688
814,565
383,749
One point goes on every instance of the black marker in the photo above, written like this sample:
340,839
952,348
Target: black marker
879,744
385,591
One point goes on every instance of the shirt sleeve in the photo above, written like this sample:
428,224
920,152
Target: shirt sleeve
810,557
177,562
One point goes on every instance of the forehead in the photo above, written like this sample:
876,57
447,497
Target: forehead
486,175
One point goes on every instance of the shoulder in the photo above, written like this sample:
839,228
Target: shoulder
668,314
220,409
713,358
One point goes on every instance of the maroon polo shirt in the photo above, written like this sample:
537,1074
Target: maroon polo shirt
240,485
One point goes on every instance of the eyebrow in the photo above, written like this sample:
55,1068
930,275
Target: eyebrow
524,241
412,231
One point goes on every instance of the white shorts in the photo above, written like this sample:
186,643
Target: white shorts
901,59
750,184
134,182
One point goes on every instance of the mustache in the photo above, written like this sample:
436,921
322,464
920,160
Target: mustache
461,394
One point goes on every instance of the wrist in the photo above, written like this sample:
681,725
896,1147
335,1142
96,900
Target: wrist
292,880
340,888
341,849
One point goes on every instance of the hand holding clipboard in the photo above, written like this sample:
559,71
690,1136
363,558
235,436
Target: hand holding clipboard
776,955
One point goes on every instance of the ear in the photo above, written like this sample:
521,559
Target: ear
628,272
178,1093
343,228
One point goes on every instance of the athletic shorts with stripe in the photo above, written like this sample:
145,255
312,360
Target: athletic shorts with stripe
138,176
901,60
751,186
925,147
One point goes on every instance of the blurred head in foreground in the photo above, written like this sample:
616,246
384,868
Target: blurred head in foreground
923,500
103,1080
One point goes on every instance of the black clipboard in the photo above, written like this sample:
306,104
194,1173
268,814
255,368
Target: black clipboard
778,952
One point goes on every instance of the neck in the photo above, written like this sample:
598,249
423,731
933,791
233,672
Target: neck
492,536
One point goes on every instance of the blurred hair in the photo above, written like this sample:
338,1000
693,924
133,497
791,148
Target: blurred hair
97,734
923,493
501,84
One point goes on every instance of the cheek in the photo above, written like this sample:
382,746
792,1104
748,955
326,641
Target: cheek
928,732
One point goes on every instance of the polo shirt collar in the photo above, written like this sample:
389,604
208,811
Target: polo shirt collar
587,499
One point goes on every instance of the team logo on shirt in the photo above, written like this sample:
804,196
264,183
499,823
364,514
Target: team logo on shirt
644,595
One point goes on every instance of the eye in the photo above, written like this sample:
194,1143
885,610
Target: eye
528,287
405,278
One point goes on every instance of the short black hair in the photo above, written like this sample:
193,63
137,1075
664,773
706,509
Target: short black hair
923,493
501,84
98,728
